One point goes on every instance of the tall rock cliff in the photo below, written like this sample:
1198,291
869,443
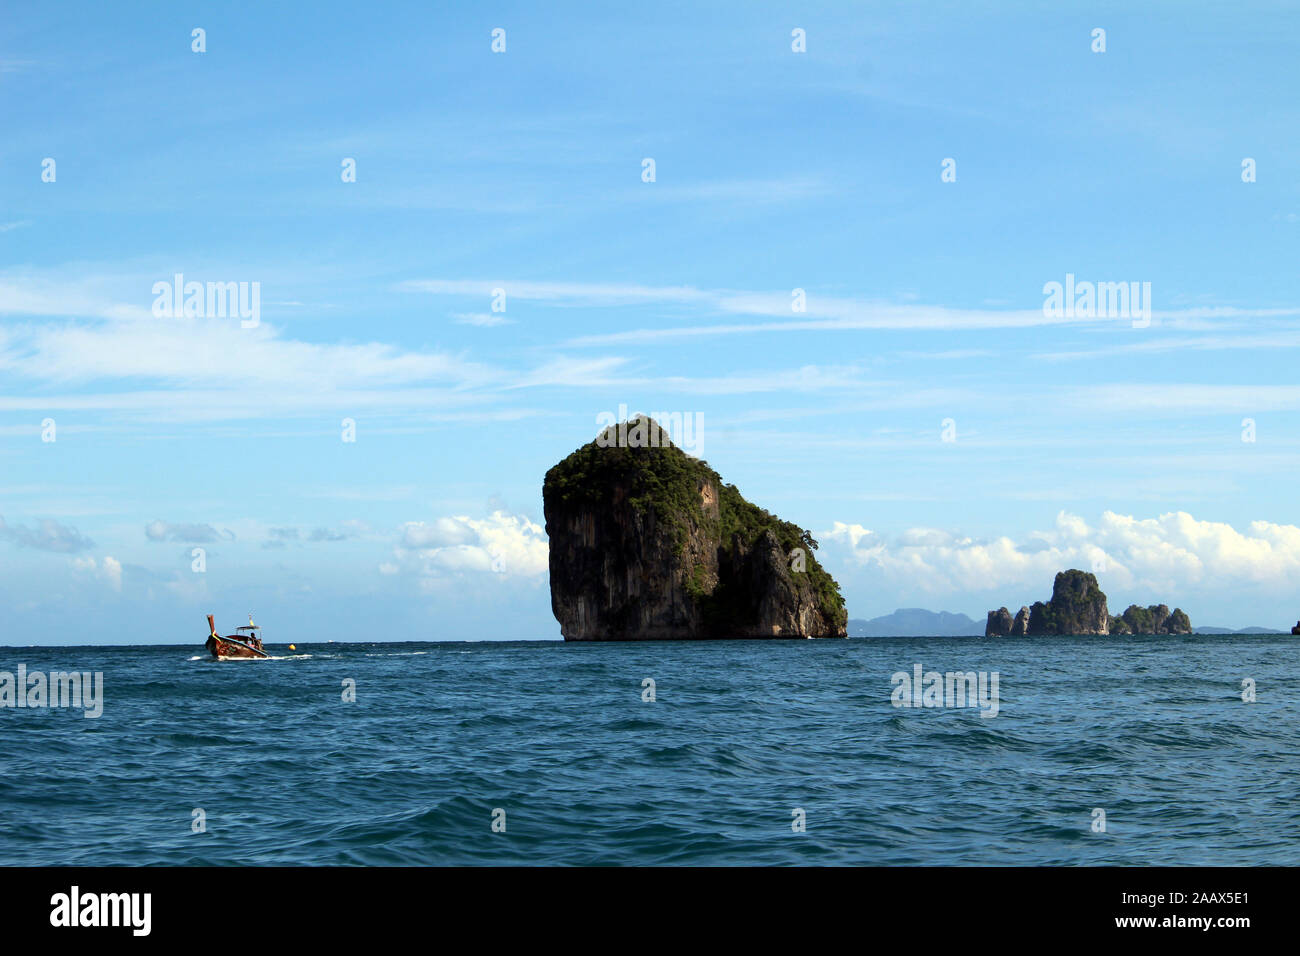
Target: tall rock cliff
648,543
1078,606
999,623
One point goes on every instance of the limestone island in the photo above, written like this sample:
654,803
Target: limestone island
648,543
1078,606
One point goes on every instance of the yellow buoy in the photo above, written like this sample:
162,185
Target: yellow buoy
292,647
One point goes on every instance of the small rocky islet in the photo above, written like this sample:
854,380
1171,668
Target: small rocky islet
1078,606
648,543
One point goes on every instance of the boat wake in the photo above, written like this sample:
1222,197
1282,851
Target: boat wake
252,660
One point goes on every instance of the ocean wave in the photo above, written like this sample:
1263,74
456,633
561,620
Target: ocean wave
741,737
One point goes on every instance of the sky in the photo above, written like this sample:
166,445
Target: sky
837,267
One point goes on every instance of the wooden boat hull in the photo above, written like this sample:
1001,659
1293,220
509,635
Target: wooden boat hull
223,648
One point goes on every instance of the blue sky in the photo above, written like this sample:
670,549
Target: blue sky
1078,443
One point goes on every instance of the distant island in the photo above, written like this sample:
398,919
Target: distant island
648,543
1078,606
916,622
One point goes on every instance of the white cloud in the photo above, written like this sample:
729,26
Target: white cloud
1167,555
445,532
501,543
109,570
195,369
64,293
218,353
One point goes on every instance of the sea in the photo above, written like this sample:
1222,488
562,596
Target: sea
1160,750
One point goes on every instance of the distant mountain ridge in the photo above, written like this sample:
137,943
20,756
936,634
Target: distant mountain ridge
916,622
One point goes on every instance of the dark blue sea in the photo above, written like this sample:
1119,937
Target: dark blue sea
740,737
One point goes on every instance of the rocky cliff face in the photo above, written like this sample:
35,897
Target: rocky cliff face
647,543
1020,626
999,623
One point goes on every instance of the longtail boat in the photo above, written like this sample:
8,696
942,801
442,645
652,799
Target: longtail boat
245,642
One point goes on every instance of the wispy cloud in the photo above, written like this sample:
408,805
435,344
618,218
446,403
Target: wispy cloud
790,312
24,293
1183,399
566,293
748,191
186,533
1177,343
484,320
47,535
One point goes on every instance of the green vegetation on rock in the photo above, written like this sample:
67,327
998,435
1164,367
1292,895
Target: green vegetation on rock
1156,619
663,485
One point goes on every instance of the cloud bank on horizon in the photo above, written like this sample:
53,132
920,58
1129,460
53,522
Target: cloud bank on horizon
315,354
1172,554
